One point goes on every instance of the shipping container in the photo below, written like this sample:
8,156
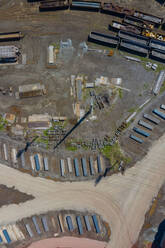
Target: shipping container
45,224
87,223
11,233
142,132
69,165
36,225
139,39
45,161
151,118
32,161
91,165
162,106
160,80
99,169
103,39
37,164
159,113
145,124
5,151
7,237
8,60
84,167
134,47
137,139
14,155
62,167
79,224
69,223
28,228
60,222
76,167
85,5
95,222
23,160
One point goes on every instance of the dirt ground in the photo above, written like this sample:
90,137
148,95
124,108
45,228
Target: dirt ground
12,196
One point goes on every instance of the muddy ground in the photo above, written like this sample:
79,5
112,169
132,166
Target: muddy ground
11,196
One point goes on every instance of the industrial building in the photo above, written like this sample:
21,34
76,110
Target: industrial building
31,90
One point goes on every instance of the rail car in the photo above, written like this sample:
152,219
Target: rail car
110,8
157,54
150,18
53,5
155,44
85,5
133,37
133,21
116,26
134,47
103,39
11,36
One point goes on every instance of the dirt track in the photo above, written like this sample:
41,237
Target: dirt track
121,200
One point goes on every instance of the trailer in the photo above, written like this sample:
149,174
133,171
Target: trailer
9,51
157,44
14,155
160,80
91,165
7,237
134,47
85,5
69,165
159,113
84,167
49,5
69,223
11,36
29,230
95,222
79,224
87,223
76,167
44,223
141,132
99,169
112,9
162,106
46,165
137,139
145,124
103,39
151,118
1,240
62,167
37,163
8,60
150,18
139,39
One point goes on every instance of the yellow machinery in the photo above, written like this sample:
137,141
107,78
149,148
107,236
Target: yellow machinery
153,34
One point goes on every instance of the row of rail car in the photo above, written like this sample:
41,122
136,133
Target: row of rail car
84,168
61,223
135,22
146,125
101,6
131,42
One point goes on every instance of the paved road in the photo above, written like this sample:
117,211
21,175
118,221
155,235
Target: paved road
121,200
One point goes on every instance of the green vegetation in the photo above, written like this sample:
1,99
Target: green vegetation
71,147
114,154
3,123
43,141
120,93
131,110
162,89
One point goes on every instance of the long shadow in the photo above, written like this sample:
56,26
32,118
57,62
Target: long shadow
159,241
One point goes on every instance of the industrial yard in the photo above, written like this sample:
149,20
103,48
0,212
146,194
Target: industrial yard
82,111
